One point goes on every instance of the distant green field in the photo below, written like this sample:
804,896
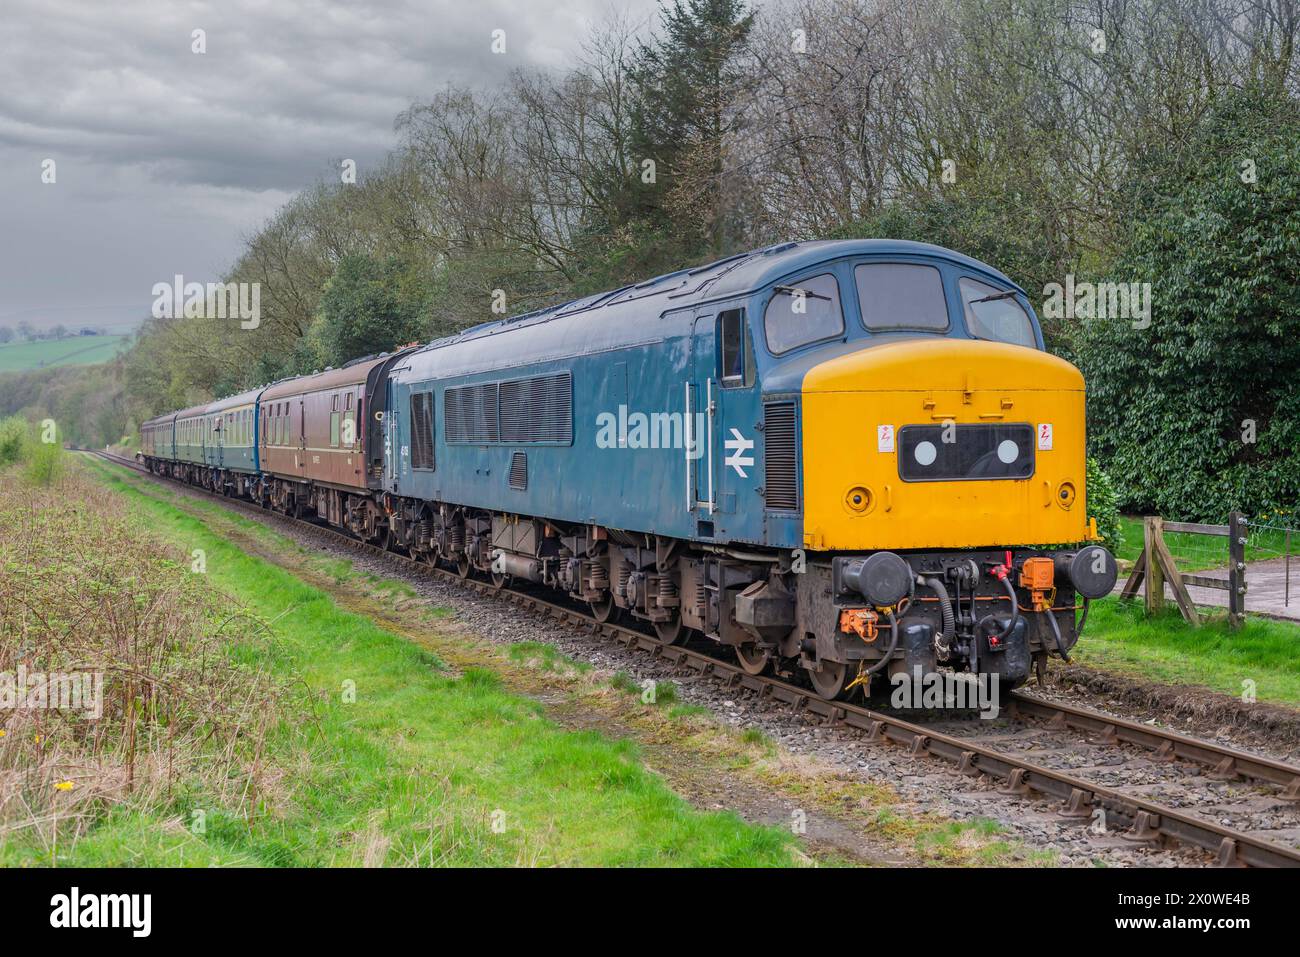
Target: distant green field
74,351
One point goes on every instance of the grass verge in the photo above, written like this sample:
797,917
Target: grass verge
408,761
1266,653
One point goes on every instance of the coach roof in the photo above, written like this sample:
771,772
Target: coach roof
354,373
235,401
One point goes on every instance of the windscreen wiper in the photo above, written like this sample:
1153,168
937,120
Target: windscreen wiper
792,290
997,295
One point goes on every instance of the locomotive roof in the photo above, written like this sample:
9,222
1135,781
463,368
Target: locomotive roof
722,279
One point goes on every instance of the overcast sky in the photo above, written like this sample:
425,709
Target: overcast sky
166,158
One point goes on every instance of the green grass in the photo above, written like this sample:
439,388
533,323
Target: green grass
45,353
425,767
1120,637
540,655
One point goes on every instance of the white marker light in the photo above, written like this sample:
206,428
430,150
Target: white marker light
925,453
1008,451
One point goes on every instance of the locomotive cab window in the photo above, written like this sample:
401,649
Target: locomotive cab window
737,351
994,314
899,296
803,312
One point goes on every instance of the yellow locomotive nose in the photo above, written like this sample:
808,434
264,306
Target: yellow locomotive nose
943,443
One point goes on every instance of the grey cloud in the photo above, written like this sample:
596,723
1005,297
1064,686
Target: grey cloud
166,158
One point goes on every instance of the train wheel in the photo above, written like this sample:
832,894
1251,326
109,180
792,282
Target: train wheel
830,680
463,566
499,582
604,610
753,658
671,632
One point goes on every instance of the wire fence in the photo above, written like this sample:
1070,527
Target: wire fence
1271,540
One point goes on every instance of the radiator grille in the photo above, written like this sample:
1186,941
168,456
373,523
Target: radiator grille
470,414
781,457
538,409
519,471
422,430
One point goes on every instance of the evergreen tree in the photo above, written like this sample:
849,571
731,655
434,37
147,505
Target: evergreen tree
687,80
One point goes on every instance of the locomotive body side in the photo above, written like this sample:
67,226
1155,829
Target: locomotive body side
815,429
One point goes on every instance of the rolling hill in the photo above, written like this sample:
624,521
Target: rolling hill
44,354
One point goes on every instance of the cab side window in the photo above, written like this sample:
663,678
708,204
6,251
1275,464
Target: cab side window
994,314
736,350
803,312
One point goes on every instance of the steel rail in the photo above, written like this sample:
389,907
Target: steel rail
1226,763
1149,821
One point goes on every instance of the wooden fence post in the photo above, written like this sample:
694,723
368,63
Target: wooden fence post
1236,568
1152,528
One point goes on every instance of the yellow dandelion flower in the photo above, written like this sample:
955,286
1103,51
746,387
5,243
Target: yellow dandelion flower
64,786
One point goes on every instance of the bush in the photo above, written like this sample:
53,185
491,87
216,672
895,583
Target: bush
1102,503
13,435
1198,413
43,461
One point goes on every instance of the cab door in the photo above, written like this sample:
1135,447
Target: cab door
700,425
724,373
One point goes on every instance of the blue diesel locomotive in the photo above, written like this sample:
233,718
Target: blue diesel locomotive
839,458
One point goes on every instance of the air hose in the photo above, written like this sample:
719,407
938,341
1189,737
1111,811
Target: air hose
889,652
944,641
863,678
1056,630
1015,609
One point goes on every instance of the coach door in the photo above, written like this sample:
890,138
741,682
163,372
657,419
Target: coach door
300,422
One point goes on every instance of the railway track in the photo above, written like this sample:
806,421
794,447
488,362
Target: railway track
1140,818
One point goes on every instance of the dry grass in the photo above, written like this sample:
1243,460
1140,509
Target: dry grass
183,706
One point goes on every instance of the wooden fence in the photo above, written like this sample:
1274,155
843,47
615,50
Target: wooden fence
1156,565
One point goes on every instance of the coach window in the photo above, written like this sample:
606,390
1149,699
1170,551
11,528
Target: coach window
803,312
737,352
993,313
